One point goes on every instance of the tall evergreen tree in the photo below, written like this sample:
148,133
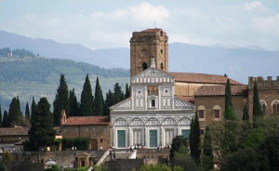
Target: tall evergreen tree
98,100
207,151
41,132
86,100
27,112
74,105
33,108
61,101
127,91
177,142
245,116
1,122
229,112
118,93
195,141
108,102
15,115
257,112
6,122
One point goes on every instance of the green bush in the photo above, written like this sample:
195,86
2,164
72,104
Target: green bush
2,167
53,168
7,156
80,143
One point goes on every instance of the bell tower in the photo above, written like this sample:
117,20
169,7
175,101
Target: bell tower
145,45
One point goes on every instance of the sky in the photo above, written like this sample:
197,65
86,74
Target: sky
109,24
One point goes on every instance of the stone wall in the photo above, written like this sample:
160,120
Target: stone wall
23,166
124,164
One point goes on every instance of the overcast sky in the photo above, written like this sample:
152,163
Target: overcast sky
109,24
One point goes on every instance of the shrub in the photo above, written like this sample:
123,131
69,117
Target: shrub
7,156
80,143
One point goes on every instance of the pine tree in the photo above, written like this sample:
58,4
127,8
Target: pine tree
229,112
108,102
127,91
27,112
33,108
245,116
41,132
207,151
1,122
61,101
86,100
98,100
6,122
15,115
195,141
118,93
257,112
74,105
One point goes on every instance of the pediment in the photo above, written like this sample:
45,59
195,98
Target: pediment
181,104
123,105
152,75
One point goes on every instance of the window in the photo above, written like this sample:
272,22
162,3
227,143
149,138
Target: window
76,129
201,114
162,66
275,106
106,129
152,90
263,106
86,129
161,33
101,140
153,102
144,66
201,131
216,113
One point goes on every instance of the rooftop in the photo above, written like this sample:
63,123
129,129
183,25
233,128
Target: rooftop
202,78
220,90
152,30
16,131
87,120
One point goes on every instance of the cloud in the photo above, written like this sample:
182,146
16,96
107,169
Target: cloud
242,24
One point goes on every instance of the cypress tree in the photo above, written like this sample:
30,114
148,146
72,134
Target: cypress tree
41,132
245,116
74,105
207,151
33,108
27,112
127,91
108,102
195,141
229,112
86,100
1,122
15,115
118,93
61,101
6,122
257,112
177,142
98,100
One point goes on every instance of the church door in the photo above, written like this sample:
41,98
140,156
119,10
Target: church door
153,138
94,144
169,134
121,138
137,137
185,133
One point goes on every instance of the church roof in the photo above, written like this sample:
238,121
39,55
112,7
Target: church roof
16,131
87,120
202,78
220,90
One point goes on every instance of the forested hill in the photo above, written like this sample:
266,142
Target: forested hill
27,76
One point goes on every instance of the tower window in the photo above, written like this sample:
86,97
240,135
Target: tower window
162,66
144,66
162,51
161,33
153,103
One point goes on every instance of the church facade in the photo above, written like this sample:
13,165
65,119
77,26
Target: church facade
152,116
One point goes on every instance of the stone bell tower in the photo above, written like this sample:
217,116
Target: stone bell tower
145,45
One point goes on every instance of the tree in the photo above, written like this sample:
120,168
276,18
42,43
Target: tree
15,115
61,101
108,102
74,105
6,122
229,112
207,151
98,100
183,159
33,108
7,156
245,116
177,142
195,141
257,112
118,93
3,167
1,122
127,91
41,132
27,113
86,100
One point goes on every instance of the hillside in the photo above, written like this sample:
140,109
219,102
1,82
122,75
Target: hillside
37,76
238,63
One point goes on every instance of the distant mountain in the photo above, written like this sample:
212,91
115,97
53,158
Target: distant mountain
237,63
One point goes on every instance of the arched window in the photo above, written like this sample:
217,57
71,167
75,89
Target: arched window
144,66
216,112
201,113
275,106
162,66
263,106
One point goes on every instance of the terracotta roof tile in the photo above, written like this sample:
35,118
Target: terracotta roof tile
187,99
202,78
87,120
220,90
17,131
